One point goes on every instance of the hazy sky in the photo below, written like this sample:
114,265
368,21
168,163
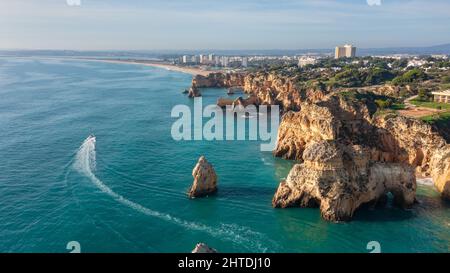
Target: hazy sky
221,24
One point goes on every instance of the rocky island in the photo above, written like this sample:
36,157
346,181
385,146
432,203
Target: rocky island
205,179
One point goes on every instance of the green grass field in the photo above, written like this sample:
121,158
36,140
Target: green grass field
431,104
442,118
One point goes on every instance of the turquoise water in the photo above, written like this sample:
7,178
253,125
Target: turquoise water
133,199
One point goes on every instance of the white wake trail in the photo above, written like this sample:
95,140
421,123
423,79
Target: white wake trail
85,162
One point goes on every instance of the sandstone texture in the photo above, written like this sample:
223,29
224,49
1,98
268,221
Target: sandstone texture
339,179
263,88
205,179
393,149
219,80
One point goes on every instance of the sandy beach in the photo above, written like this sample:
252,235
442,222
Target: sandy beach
188,70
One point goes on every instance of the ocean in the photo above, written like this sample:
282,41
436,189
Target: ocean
126,192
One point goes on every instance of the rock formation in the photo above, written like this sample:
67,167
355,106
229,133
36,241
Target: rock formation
272,88
205,179
268,88
339,179
320,115
251,100
330,119
219,80
388,141
203,248
194,92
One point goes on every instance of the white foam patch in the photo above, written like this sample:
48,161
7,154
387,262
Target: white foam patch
85,162
425,181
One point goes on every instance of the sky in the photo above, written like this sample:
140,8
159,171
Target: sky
221,24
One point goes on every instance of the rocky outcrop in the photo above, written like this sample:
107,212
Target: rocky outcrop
203,248
219,80
205,179
440,171
272,88
252,100
339,179
269,88
194,92
408,140
330,119
386,139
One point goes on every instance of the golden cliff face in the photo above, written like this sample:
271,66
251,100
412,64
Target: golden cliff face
340,178
267,88
329,119
272,88
219,80
414,142
394,149
311,123
390,143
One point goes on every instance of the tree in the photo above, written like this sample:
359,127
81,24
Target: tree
411,76
445,79
383,104
423,94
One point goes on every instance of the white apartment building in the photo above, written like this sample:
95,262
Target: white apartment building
303,61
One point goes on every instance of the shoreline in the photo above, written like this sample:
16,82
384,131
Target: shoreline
188,70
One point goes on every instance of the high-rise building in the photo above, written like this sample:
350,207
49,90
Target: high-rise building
185,59
244,61
203,59
211,58
224,61
348,51
216,60
194,59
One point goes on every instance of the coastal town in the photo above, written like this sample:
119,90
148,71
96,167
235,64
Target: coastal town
415,85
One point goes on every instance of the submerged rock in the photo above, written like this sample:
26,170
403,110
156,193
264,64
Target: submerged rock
203,248
205,179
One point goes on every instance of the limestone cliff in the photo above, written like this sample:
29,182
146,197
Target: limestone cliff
387,139
267,88
272,88
340,178
330,119
219,80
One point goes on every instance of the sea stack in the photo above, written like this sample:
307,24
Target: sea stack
203,248
205,179
194,92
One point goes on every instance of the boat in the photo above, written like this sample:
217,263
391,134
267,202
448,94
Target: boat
92,137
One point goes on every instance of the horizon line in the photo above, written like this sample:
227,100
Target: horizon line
217,49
